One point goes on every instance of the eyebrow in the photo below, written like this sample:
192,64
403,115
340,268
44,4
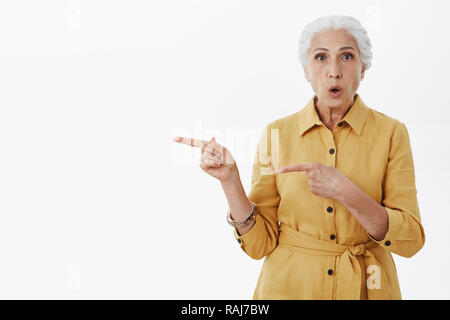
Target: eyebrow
343,48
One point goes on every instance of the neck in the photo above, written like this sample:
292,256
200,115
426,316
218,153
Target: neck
332,115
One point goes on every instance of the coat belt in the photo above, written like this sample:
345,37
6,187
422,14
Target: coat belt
348,271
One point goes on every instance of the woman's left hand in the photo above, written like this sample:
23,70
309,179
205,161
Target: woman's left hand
324,181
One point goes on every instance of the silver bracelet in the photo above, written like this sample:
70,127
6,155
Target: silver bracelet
245,222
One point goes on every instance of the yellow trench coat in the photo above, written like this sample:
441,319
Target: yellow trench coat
313,246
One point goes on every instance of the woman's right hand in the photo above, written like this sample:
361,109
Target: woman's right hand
216,160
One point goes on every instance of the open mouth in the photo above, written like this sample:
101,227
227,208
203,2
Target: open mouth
335,90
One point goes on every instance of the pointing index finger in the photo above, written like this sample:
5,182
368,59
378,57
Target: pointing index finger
191,141
295,167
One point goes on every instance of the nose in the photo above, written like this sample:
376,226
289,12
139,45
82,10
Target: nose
335,71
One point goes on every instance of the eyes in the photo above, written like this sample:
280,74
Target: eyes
346,56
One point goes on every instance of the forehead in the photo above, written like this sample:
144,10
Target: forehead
333,39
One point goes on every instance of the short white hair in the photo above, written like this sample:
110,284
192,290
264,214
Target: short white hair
350,24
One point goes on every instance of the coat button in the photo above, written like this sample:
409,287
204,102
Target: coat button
332,237
387,243
330,209
239,240
330,272
340,124
331,150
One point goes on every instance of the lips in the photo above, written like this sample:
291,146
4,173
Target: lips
335,89
335,92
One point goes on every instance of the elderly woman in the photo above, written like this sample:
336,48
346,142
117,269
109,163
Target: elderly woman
333,188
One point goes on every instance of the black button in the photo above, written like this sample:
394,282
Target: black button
332,237
239,240
387,243
340,124
330,272
330,209
331,150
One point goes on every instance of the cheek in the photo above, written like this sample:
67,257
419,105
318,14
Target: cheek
353,77
356,79
317,86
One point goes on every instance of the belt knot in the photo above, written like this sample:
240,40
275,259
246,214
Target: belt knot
358,249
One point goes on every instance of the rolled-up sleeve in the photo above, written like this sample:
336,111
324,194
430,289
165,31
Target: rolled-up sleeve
405,235
262,237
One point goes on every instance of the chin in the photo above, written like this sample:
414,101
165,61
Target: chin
336,101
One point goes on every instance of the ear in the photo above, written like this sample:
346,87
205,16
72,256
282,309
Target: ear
306,73
363,71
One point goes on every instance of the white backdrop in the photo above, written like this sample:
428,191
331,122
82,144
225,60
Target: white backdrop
97,201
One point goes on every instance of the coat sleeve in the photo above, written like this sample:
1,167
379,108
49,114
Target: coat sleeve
405,235
263,236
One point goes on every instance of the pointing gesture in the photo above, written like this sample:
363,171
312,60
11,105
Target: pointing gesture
215,159
324,181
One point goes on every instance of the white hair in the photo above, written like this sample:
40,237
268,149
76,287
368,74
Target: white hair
350,24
